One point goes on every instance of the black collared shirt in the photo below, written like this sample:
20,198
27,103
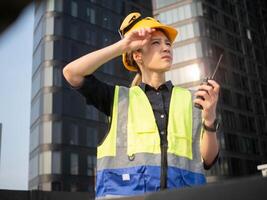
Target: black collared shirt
160,103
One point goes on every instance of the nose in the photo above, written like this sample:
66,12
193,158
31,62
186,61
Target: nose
167,48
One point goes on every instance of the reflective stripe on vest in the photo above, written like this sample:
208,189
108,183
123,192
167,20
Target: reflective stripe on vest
131,151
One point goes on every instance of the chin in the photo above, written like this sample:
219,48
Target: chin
161,68
165,68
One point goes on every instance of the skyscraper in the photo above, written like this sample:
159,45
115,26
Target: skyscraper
238,30
64,130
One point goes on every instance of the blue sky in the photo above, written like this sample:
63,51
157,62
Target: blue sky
15,90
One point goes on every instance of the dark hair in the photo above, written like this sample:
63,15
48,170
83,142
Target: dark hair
130,60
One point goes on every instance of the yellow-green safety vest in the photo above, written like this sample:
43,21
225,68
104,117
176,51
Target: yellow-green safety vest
129,159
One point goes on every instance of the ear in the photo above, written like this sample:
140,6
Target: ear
137,56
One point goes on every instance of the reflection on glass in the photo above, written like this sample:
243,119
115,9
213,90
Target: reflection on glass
91,163
181,13
48,76
37,57
56,162
45,135
33,167
47,103
74,8
36,83
185,74
187,31
49,26
50,5
34,139
73,134
57,76
91,137
46,186
187,52
74,166
45,163
35,111
57,128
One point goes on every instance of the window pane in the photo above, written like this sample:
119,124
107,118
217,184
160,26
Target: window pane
187,52
49,26
56,162
91,164
33,167
162,3
185,74
48,76
47,103
36,83
57,129
91,137
57,76
187,31
35,111
74,164
50,5
48,50
45,163
46,186
46,133
74,8
34,140
73,134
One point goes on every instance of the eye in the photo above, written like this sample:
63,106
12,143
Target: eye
155,42
168,43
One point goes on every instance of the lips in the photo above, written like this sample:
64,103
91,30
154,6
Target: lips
167,57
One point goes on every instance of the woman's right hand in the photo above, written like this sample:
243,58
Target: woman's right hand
137,39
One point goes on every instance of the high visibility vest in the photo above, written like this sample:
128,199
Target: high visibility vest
129,159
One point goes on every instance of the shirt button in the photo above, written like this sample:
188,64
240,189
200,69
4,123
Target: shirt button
157,93
162,132
161,116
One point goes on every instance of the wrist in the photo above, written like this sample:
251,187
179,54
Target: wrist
209,122
211,127
209,118
123,46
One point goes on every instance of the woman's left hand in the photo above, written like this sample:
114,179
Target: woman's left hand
210,94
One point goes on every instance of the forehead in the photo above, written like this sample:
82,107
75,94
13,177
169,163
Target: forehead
159,34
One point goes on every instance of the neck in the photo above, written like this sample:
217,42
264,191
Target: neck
152,78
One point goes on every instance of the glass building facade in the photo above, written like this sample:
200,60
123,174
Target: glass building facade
64,129
238,28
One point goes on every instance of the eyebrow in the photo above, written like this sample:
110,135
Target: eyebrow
155,38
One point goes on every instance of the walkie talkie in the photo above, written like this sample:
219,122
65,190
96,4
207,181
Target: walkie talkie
205,81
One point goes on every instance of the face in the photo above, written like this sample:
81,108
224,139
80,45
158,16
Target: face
156,55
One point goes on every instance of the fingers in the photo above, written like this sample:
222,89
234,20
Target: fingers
145,31
215,85
208,94
212,88
136,39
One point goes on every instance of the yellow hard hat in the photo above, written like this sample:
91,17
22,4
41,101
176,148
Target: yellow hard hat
134,21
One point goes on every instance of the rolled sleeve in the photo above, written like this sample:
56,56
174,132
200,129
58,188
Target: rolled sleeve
97,93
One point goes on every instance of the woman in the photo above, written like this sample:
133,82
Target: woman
157,139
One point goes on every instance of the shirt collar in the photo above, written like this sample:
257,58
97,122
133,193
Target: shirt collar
167,84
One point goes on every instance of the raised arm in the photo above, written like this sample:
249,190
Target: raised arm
75,71
209,146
